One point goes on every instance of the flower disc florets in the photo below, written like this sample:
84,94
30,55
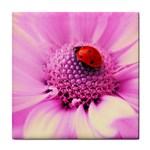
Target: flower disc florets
78,83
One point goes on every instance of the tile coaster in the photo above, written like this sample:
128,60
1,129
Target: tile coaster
75,75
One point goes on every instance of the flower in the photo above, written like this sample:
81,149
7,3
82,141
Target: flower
55,95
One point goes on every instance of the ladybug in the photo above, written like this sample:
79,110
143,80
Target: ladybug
88,55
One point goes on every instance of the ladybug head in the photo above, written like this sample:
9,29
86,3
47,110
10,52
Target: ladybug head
76,49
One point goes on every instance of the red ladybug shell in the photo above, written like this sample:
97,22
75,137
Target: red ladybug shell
90,56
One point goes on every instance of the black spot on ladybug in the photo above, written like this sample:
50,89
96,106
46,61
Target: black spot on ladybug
92,61
80,56
88,51
76,49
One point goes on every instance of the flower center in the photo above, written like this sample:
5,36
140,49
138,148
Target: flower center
78,83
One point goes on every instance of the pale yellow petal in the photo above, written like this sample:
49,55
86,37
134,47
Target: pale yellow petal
111,108
83,128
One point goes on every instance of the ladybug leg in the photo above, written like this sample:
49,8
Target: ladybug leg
76,49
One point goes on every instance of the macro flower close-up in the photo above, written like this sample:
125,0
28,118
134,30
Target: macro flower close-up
75,75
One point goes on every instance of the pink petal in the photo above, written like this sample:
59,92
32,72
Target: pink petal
23,102
24,43
87,27
48,120
27,88
27,61
130,34
126,55
103,115
128,90
18,120
118,24
51,29
128,127
127,72
28,74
